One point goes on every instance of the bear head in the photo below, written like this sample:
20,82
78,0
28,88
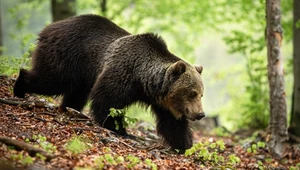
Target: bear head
185,91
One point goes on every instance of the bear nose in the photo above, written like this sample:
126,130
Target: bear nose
200,116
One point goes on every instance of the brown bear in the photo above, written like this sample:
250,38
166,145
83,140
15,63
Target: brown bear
68,57
86,51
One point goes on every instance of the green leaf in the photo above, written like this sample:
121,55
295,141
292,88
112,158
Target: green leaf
120,159
213,145
110,159
221,144
261,144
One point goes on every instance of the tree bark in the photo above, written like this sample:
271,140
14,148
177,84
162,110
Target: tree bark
62,9
278,108
103,7
1,38
295,114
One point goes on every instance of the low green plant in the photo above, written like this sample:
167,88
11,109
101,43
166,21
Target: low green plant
260,165
133,161
108,159
77,145
233,159
152,165
100,162
255,146
10,65
126,121
43,143
129,160
24,160
210,151
42,157
120,159
297,167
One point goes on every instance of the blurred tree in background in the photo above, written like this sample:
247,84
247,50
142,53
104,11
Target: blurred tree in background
295,113
225,36
62,9
1,39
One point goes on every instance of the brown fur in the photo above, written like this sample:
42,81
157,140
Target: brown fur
89,53
139,68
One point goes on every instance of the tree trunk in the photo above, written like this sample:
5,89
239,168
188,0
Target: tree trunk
1,43
62,9
103,7
278,111
295,115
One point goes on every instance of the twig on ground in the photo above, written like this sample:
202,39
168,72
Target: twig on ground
42,119
10,102
79,119
29,104
39,118
76,113
18,114
126,144
20,145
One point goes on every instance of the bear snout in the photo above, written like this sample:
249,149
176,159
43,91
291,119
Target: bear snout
196,116
200,116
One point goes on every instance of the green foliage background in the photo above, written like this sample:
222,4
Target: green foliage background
225,36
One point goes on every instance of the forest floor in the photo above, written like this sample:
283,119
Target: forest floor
34,134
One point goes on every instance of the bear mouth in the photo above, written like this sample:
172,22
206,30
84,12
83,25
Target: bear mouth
197,117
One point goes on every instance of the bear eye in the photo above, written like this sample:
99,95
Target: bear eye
193,94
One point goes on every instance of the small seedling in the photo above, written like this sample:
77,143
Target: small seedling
126,121
42,142
77,145
129,160
210,151
133,161
25,160
152,165
255,146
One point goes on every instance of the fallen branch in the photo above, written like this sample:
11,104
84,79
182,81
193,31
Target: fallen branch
76,114
10,102
20,145
79,119
125,144
39,118
28,104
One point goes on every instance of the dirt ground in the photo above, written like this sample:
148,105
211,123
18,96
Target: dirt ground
34,134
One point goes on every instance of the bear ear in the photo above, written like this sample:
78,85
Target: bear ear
199,69
177,68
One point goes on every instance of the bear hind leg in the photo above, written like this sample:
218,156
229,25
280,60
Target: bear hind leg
75,99
19,87
35,82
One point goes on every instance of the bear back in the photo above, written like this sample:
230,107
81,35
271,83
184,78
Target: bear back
73,49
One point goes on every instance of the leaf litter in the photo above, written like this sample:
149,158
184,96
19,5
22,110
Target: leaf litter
76,142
